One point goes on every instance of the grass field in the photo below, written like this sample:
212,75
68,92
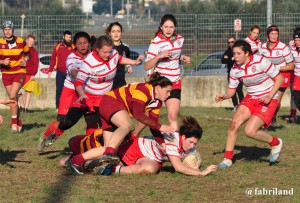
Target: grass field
27,176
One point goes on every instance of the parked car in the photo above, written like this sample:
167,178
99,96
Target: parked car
44,66
135,51
210,65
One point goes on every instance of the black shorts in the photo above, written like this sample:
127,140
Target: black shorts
175,94
282,89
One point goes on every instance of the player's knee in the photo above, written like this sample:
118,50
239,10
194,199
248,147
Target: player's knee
234,125
148,170
249,132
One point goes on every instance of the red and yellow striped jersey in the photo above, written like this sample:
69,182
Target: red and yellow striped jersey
14,52
142,93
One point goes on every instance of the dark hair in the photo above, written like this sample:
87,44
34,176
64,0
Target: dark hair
156,79
272,28
109,27
81,34
255,27
93,41
165,18
103,40
190,128
30,36
245,46
67,32
296,33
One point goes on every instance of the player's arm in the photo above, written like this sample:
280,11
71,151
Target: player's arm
288,67
139,114
229,93
149,64
128,61
182,168
278,80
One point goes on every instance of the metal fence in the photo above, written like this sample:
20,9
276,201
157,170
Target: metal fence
204,34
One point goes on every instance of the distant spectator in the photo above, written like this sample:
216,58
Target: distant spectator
58,61
228,59
30,85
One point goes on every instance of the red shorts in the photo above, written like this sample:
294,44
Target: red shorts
89,103
264,111
177,85
9,79
130,152
286,79
296,83
106,113
66,100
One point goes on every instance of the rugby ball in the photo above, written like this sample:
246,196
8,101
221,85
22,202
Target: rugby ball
193,159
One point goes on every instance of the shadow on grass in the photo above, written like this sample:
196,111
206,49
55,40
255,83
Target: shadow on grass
29,126
60,189
56,153
9,156
168,169
249,153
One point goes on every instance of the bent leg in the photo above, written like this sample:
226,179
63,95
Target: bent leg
142,166
122,121
172,106
241,115
252,130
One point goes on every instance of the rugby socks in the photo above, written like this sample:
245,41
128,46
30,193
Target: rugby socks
228,155
274,142
293,112
14,120
58,132
110,150
77,160
116,169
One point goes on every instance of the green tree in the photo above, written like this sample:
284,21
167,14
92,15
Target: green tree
104,6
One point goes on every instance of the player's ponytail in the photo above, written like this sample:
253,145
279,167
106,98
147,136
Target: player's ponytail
156,79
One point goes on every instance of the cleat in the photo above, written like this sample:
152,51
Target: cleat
19,125
291,119
109,158
226,163
90,165
14,128
48,137
275,151
77,170
41,144
105,170
45,141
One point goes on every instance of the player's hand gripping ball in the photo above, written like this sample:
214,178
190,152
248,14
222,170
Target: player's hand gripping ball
193,160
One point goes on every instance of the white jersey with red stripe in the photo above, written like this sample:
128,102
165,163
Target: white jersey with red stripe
168,67
296,54
257,76
96,74
255,45
152,149
280,55
74,61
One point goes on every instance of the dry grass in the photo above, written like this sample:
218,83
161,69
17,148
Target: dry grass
29,177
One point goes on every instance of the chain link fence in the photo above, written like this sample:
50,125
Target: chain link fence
204,34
